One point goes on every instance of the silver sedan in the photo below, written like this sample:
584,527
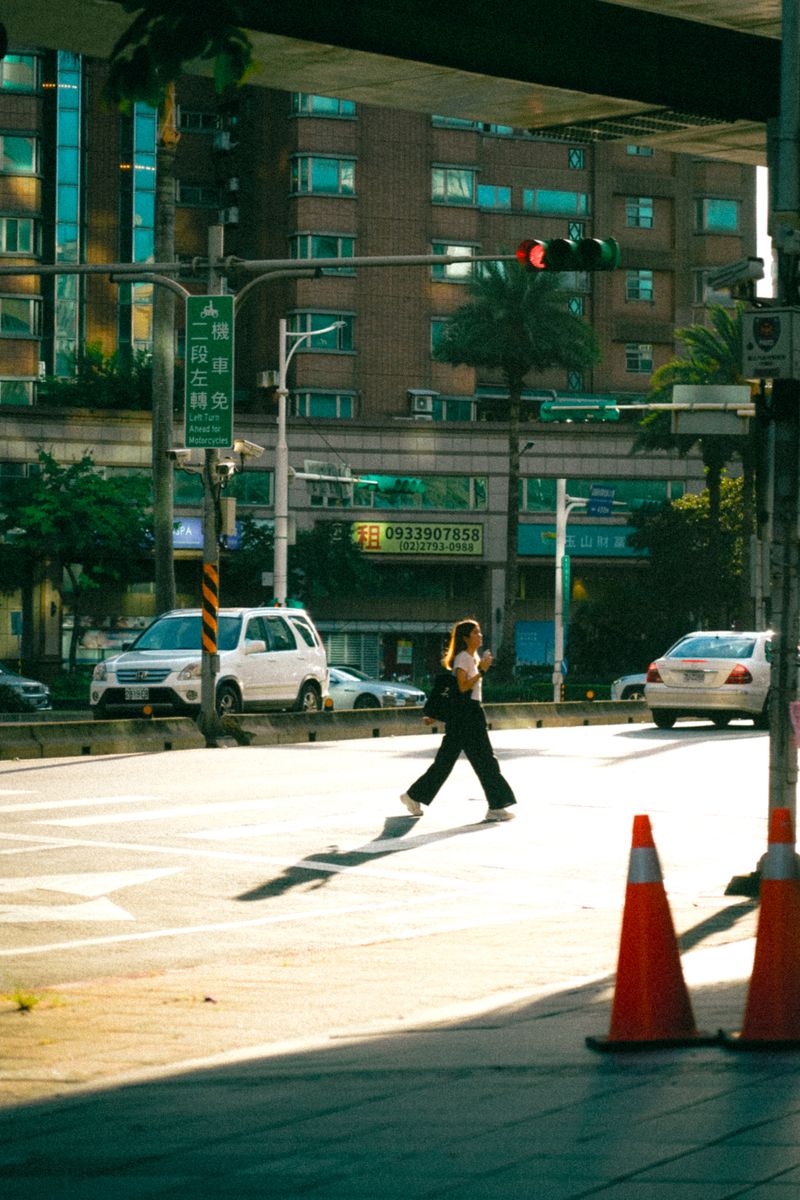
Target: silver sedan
351,688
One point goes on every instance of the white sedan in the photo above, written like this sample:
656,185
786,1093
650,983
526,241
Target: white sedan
716,674
351,688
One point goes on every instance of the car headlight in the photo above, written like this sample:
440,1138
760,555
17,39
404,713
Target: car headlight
100,673
192,671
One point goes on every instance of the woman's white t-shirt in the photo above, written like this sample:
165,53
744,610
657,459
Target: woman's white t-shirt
469,665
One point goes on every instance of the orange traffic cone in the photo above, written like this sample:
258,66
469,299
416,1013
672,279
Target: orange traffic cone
651,1004
772,1013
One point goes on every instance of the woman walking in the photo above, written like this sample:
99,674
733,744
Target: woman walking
465,729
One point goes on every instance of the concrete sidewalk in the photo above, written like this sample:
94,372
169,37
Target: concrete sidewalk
154,1087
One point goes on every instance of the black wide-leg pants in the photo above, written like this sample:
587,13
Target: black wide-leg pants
466,730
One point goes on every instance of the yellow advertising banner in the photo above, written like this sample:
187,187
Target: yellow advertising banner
436,538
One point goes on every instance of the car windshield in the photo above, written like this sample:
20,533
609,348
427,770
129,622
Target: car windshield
704,646
183,633
351,673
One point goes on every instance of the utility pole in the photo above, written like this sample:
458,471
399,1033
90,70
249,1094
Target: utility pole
209,668
786,416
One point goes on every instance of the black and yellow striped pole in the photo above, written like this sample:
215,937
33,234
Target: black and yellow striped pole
210,606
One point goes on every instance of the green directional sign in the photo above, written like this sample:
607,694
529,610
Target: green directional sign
209,372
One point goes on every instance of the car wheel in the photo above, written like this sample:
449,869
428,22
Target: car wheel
308,698
366,702
664,718
721,721
633,693
228,700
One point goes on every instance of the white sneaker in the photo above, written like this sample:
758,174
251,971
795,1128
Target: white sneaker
412,805
499,814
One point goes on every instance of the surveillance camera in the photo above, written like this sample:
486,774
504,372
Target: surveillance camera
179,454
226,469
247,449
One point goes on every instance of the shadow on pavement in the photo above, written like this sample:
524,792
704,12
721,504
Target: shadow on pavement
502,1103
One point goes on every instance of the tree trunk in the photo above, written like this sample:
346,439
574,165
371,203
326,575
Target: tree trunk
507,655
164,360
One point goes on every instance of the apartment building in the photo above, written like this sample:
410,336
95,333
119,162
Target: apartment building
298,177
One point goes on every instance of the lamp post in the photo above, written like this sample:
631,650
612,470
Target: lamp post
564,506
282,455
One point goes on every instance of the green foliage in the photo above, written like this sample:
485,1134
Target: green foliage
117,382
623,630
516,322
95,529
163,38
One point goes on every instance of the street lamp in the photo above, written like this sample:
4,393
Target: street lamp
282,455
564,506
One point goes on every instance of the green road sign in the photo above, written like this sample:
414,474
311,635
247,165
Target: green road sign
209,372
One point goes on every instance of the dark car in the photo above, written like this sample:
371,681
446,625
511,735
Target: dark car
30,693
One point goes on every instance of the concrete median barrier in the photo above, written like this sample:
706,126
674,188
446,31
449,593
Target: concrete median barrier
68,739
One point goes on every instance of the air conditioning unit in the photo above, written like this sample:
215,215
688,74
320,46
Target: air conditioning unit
233,183
222,139
423,416
422,406
229,216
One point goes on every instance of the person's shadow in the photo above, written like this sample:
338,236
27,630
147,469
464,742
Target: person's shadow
316,870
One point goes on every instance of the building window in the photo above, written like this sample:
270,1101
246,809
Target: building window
19,154
251,487
340,339
549,202
576,230
16,391
20,235
196,195
639,358
576,305
20,316
67,325
323,176
639,212
453,185
490,196
454,493
137,223
438,325
576,158
639,286
717,216
575,381
639,151
323,245
329,406
459,272
496,130
454,122
19,73
194,121
306,105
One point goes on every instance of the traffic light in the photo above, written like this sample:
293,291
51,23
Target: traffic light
578,410
564,254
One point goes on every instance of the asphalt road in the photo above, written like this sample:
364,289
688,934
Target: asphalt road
125,865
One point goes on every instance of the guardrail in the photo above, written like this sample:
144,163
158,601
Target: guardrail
78,738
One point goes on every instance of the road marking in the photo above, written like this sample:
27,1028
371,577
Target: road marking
227,926
93,910
164,814
96,883
86,802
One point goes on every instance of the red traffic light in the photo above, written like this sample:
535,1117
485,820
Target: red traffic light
531,255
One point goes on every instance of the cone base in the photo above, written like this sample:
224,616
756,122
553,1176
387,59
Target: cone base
608,1045
735,1041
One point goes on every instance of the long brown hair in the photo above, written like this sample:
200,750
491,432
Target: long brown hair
458,640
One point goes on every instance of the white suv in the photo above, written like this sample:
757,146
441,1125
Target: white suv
269,658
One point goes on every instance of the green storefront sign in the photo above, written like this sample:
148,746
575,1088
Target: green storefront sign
209,372
583,541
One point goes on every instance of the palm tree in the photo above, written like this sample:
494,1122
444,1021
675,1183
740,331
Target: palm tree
516,322
713,355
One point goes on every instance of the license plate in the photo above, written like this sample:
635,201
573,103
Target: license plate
693,676
137,693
